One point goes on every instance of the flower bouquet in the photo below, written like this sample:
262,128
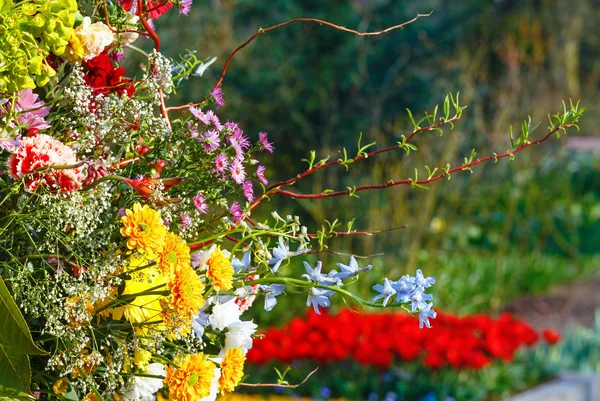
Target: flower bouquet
128,253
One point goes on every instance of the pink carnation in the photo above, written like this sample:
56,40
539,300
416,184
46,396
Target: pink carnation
41,151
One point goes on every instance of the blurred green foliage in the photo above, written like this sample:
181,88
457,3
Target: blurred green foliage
406,381
506,229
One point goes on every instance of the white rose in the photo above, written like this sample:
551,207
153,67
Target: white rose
225,314
144,388
94,37
130,37
239,333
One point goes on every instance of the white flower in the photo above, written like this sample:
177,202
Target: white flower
239,333
214,387
144,388
225,314
130,37
94,37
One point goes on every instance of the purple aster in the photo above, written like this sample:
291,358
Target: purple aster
264,142
260,173
210,139
196,112
236,212
242,140
235,144
185,7
221,163
231,126
200,203
117,56
186,220
238,173
122,212
217,94
248,191
211,118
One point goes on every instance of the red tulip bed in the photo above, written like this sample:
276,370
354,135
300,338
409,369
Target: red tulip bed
379,343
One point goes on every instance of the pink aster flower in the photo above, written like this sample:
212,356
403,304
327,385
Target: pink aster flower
196,112
200,203
264,142
236,212
238,173
210,139
242,140
214,120
248,191
260,173
186,6
235,144
186,220
217,94
221,163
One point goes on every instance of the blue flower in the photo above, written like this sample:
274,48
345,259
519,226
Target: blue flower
352,269
423,282
200,322
425,315
325,392
404,287
419,300
271,291
282,252
244,264
318,297
386,291
313,275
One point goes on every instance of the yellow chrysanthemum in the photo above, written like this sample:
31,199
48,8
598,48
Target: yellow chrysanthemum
60,386
144,308
185,299
220,270
175,253
193,379
141,358
232,370
144,229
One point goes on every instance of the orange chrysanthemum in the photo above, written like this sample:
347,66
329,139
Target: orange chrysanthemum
185,299
220,270
232,369
175,253
193,379
144,228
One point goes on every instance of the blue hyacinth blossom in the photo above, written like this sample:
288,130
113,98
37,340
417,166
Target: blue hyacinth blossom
386,291
271,291
318,297
352,269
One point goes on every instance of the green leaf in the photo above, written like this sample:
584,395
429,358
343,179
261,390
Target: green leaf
9,394
15,373
14,332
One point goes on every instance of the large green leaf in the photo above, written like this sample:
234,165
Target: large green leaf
15,373
14,332
10,394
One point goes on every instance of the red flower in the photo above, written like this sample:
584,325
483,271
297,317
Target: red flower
103,77
154,8
551,336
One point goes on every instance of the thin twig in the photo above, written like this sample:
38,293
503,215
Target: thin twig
410,181
280,385
262,31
